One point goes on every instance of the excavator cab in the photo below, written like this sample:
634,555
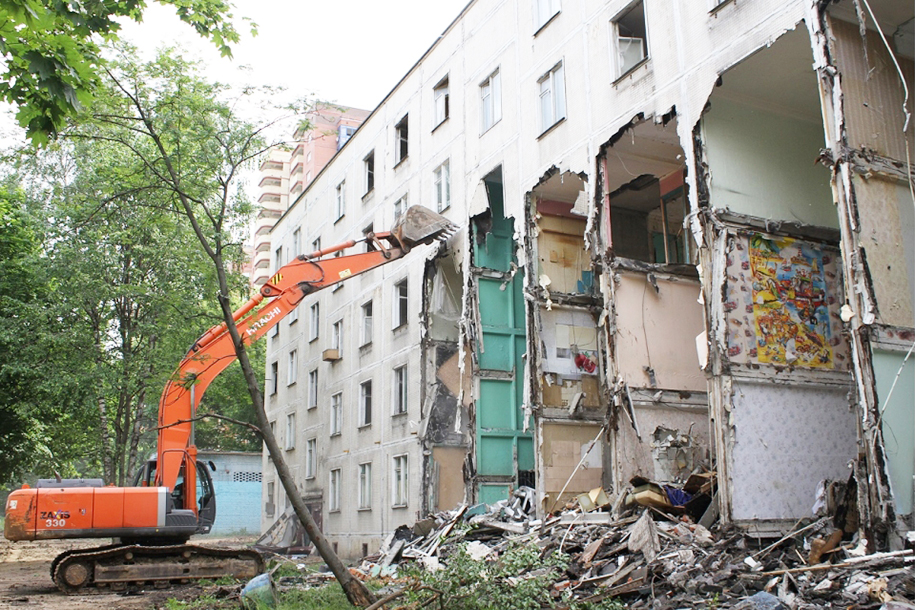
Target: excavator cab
205,493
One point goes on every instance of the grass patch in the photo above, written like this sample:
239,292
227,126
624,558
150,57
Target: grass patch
327,597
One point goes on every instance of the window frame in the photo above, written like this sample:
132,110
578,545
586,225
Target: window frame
400,391
401,305
340,199
441,102
441,185
333,501
311,458
364,495
336,337
314,320
368,323
368,165
312,389
290,432
336,414
552,83
365,403
275,374
620,69
400,207
494,83
544,12
292,368
402,140
400,481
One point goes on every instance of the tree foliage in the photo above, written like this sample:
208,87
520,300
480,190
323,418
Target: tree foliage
52,57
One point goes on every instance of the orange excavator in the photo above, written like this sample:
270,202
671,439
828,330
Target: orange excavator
173,495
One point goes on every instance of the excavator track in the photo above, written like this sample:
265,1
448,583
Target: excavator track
120,566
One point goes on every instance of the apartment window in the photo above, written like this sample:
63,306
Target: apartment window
274,377
400,480
365,486
544,10
440,99
365,403
278,258
293,316
313,388
401,139
344,134
366,324
308,177
336,414
296,243
630,38
552,97
270,508
491,96
334,491
316,244
400,390
290,373
314,327
290,431
400,206
311,456
400,304
341,200
369,164
442,180
336,337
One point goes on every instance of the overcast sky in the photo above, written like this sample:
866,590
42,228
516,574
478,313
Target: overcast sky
351,52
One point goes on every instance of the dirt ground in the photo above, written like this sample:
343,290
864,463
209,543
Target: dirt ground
25,580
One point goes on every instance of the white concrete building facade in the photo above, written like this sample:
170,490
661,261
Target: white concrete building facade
678,220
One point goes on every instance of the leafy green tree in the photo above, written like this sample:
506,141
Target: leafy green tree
43,429
51,56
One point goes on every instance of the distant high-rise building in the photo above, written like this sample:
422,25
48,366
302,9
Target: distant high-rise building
285,172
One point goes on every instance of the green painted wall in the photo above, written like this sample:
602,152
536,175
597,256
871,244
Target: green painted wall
898,422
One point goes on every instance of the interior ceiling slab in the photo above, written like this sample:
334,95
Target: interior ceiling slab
564,187
647,148
779,78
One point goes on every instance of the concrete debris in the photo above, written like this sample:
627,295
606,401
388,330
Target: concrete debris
654,560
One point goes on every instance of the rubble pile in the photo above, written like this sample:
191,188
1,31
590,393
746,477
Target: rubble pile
648,557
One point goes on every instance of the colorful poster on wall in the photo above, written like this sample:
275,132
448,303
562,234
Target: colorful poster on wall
781,303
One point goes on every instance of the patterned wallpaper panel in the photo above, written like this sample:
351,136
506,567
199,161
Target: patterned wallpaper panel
782,300
787,439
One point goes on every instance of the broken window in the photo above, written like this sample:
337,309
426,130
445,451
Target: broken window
341,200
647,220
630,39
274,374
400,206
336,340
315,322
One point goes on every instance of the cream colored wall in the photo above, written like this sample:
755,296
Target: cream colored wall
669,321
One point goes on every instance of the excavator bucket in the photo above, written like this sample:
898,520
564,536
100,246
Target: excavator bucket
421,225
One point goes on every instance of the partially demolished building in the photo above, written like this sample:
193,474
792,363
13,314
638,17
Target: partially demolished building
688,242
